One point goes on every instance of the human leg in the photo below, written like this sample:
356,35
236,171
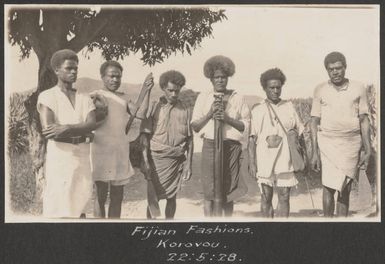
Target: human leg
228,208
343,199
170,207
100,200
328,201
116,198
208,208
266,201
283,201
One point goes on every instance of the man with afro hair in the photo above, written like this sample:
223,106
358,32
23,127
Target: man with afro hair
235,115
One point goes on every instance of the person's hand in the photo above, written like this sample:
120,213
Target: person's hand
253,170
210,114
55,131
148,82
99,100
218,110
187,172
364,160
101,113
315,162
101,105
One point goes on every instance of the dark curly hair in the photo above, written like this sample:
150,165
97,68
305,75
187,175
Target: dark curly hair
333,57
61,56
219,62
172,76
109,63
272,74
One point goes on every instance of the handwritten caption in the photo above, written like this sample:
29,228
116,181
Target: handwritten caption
194,243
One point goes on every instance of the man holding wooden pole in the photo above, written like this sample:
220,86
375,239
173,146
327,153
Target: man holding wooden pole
216,117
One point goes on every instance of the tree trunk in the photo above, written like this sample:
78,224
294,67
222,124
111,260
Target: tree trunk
37,143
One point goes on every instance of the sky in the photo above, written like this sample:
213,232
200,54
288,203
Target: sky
293,38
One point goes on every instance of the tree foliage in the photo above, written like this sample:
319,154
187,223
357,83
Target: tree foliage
154,32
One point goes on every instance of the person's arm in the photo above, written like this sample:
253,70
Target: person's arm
143,97
199,117
365,134
101,107
252,156
239,125
53,130
198,124
47,117
315,161
187,170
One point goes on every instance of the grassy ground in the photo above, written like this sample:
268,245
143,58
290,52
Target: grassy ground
22,186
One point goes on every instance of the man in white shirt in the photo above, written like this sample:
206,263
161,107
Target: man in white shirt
235,115
340,127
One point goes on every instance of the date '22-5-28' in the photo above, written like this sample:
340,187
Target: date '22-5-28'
204,256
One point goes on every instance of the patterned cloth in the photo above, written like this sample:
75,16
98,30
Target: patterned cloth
274,164
67,168
110,155
339,137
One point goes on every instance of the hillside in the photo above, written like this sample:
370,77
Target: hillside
133,90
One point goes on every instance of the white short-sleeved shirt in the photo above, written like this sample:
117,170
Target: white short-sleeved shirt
62,108
236,108
339,107
67,168
274,161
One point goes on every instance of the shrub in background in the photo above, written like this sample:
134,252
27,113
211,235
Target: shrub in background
17,124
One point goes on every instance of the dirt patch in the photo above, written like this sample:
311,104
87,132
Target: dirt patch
190,198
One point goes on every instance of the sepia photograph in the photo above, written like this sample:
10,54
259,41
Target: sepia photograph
191,114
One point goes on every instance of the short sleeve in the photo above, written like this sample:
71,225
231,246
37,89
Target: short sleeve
363,103
47,99
198,108
316,105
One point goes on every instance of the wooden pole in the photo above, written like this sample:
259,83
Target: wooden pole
218,164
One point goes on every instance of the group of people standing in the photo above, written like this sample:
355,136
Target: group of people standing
87,141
